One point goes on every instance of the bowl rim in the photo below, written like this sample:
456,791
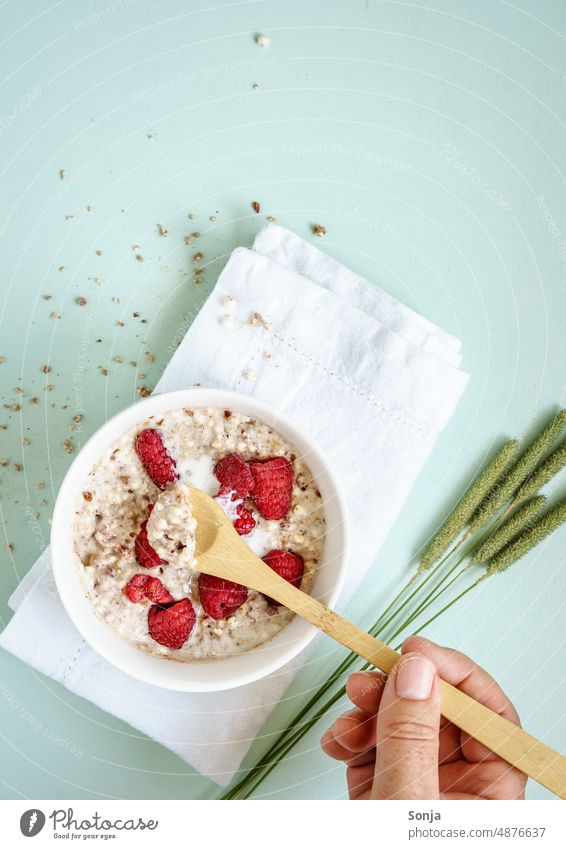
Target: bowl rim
64,566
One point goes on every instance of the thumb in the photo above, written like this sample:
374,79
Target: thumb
408,721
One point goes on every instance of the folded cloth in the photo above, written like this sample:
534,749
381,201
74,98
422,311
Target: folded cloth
372,382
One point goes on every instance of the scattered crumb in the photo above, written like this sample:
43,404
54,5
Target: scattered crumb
56,315
227,321
70,218
2,360
195,234
136,247
152,136
78,418
149,357
134,363
212,218
87,496
120,324
116,300
68,446
26,441
188,240
250,374
98,253
268,355
40,485
42,502
192,215
257,318
262,41
103,371
143,391
18,467
163,231
271,219
45,369
319,230
63,175
255,206
98,281
82,302
34,400
4,461
118,358
62,268
229,302
255,87
90,209
139,257
198,256
10,546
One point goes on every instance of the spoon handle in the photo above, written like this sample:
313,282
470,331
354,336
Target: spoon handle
507,740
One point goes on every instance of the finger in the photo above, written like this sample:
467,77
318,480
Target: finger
408,723
364,689
460,671
333,748
449,749
492,780
355,730
360,780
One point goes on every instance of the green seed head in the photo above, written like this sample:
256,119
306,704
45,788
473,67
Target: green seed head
525,465
516,549
459,517
520,521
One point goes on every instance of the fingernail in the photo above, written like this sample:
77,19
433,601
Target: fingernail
415,677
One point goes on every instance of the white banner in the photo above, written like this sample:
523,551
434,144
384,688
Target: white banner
270,825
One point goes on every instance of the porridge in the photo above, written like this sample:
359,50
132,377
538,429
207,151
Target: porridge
134,532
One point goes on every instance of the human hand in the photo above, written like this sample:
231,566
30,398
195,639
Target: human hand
396,744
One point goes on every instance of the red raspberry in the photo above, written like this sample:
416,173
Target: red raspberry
273,487
287,564
144,586
145,553
135,588
246,522
157,461
171,625
220,598
235,476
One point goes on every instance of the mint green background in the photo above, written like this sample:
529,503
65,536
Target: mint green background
419,135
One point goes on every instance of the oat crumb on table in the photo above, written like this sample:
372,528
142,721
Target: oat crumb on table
319,230
68,446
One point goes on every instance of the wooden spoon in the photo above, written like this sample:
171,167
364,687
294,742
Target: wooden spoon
221,552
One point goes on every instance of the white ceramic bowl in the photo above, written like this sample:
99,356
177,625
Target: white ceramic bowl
223,673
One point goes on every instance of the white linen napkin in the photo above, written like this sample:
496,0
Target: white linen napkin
370,380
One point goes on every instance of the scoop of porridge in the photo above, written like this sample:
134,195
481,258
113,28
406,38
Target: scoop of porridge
135,534
171,527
